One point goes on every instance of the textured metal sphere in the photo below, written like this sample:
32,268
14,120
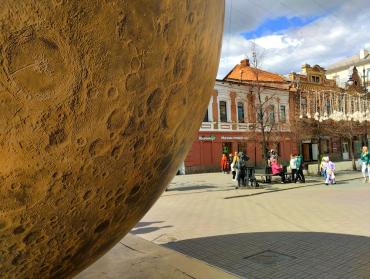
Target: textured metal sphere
99,103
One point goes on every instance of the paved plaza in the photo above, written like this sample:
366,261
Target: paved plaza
278,231
282,231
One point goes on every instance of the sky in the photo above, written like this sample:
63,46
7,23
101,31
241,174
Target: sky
290,33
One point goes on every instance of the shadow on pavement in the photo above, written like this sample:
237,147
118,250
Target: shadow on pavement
145,224
271,189
147,230
283,254
190,188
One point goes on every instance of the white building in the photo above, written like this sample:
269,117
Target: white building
342,70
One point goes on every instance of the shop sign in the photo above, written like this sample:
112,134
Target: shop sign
207,138
233,138
306,141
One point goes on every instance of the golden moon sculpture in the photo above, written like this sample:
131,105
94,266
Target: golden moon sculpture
99,103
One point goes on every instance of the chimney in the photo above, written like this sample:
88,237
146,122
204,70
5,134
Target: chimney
363,53
244,63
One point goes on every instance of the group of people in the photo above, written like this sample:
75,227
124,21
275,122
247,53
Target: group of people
296,166
237,164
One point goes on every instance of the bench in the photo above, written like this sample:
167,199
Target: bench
267,177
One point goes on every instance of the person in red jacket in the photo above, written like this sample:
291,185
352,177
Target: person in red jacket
224,163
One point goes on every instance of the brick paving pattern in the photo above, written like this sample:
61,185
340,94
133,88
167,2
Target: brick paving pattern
310,232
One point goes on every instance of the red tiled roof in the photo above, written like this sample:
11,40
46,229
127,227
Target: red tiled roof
244,72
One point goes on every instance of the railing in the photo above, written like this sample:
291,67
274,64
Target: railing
239,127
206,126
225,126
243,127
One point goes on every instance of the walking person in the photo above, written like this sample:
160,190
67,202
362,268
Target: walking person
224,163
242,170
330,172
323,166
299,171
293,165
234,163
365,163
229,162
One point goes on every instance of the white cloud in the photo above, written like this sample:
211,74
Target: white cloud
277,42
339,34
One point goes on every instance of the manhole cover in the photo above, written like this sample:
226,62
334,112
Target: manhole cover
269,257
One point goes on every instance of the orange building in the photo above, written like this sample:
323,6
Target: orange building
231,121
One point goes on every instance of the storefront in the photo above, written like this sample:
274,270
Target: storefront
336,148
205,154
310,150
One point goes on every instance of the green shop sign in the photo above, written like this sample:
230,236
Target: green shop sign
207,138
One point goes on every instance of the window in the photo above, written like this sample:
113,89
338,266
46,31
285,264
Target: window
240,112
282,113
327,106
206,117
271,114
315,79
304,107
223,111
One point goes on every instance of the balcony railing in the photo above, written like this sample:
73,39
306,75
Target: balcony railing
238,127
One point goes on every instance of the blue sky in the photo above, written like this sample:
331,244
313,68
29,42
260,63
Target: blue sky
294,32
278,25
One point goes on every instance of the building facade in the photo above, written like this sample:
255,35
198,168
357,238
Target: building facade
343,70
231,121
317,97
296,116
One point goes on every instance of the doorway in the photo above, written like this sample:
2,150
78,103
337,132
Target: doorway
345,151
227,147
315,151
306,152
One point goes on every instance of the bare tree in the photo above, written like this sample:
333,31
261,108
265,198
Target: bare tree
266,124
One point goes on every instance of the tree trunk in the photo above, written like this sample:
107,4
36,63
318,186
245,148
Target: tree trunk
318,149
318,157
264,147
352,151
